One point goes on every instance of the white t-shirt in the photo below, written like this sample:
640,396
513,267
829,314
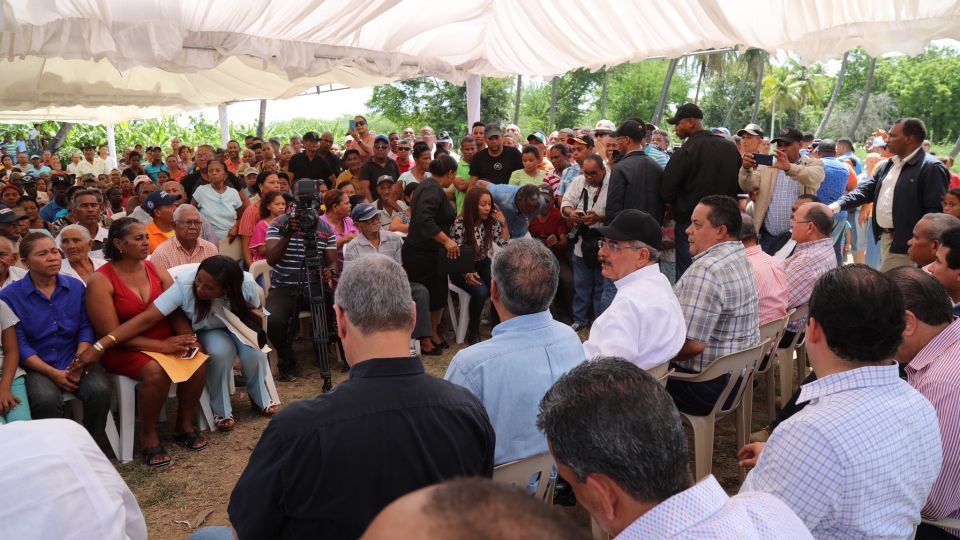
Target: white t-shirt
7,319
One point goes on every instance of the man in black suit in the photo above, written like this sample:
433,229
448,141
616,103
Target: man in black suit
903,188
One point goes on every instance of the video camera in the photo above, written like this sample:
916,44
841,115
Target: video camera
305,206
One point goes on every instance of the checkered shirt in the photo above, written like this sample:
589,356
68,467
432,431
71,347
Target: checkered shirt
859,460
809,261
718,295
785,192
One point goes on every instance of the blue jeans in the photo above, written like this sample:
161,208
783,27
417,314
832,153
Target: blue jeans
21,411
223,348
682,245
587,291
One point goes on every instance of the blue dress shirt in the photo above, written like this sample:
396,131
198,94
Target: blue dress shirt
52,212
180,295
504,196
511,372
50,328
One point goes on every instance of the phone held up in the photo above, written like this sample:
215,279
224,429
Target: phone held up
763,159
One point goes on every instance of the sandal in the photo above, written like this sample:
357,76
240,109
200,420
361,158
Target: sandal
150,453
267,411
224,424
191,440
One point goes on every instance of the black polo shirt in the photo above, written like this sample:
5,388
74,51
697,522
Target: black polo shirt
498,169
325,467
336,165
303,167
372,171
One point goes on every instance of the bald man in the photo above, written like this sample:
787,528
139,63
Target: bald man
813,257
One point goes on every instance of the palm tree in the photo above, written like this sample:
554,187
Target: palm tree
662,101
750,62
781,90
833,96
863,101
516,103
709,63
262,121
756,93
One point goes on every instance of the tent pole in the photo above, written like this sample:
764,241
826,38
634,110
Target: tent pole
112,143
224,125
473,100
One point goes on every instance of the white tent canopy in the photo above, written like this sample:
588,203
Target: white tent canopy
111,60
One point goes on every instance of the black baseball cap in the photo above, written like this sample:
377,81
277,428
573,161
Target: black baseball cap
788,135
633,129
634,225
687,110
582,139
60,179
311,136
7,215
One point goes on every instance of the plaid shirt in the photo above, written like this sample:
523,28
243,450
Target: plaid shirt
859,460
785,192
809,261
718,295
172,253
935,373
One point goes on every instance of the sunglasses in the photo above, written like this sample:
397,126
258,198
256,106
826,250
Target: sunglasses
381,146
361,123
403,149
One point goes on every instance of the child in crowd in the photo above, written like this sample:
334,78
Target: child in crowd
531,172
951,202
13,391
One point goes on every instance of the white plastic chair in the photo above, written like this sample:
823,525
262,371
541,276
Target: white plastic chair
126,398
181,268
459,321
771,332
76,412
740,367
661,373
518,473
785,359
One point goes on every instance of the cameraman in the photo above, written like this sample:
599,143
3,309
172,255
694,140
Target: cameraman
285,252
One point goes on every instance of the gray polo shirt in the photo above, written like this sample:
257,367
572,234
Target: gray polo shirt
390,244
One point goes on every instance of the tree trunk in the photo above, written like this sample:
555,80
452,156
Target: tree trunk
553,103
733,103
833,97
662,101
703,70
262,121
955,150
773,115
863,101
516,105
603,94
60,137
756,92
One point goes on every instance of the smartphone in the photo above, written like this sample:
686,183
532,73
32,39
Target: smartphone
190,353
580,213
353,125
763,159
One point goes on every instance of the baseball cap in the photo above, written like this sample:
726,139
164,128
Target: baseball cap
11,186
878,142
492,130
687,110
604,125
311,136
634,225
386,178
363,212
546,190
752,129
142,179
28,179
7,215
159,198
583,139
720,131
34,157
60,179
251,170
444,137
536,137
383,138
633,129
788,135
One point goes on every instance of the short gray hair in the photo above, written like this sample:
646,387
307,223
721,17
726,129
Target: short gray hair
178,213
748,230
374,294
939,223
527,274
75,227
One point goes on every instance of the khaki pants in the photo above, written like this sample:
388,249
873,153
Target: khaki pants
891,260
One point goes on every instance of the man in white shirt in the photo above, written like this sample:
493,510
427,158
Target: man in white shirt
617,438
644,324
62,485
861,458
91,164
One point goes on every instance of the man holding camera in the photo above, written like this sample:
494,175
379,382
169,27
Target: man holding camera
787,177
285,252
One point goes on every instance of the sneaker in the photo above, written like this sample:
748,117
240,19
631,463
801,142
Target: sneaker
760,436
577,326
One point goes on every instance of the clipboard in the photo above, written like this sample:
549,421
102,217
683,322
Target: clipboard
464,264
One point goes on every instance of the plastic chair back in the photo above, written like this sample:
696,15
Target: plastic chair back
661,373
181,268
518,473
772,332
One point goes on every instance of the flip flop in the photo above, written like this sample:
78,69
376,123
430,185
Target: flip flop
150,453
189,440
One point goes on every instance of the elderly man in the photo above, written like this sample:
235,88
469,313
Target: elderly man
768,273
946,267
778,186
527,353
496,162
899,205
374,239
390,415
864,425
618,439
10,225
9,271
85,211
930,351
812,258
584,207
173,187
718,295
644,325
750,138
635,181
922,248
186,246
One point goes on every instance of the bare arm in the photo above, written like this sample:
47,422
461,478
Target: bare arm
103,315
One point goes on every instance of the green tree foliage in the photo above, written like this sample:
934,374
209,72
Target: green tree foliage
576,93
925,86
633,90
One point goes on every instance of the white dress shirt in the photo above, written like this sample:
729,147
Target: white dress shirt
60,485
596,201
885,198
706,511
13,274
859,460
643,325
96,168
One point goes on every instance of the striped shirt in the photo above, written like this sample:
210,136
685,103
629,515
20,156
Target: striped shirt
706,511
771,284
287,272
809,261
172,253
935,373
859,460
718,295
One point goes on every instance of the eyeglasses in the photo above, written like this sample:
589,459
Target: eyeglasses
381,146
361,123
594,174
403,149
613,245
191,223
602,133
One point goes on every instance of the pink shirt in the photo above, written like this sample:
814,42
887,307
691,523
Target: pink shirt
771,284
258,238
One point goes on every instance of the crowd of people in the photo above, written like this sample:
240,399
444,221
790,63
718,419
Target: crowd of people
607,256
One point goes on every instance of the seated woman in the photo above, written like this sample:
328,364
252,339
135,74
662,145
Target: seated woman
121,289
203,295
480,225
14,404
75,242
53,329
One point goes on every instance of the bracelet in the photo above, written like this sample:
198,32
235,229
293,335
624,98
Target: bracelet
98,347
113,338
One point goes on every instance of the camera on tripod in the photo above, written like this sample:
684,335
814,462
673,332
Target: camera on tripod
305,206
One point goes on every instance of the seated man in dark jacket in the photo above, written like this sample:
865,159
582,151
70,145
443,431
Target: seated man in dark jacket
635,180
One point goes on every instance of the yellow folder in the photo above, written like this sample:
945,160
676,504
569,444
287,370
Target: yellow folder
178,369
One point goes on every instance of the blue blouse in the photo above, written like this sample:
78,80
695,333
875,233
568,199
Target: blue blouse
180,295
